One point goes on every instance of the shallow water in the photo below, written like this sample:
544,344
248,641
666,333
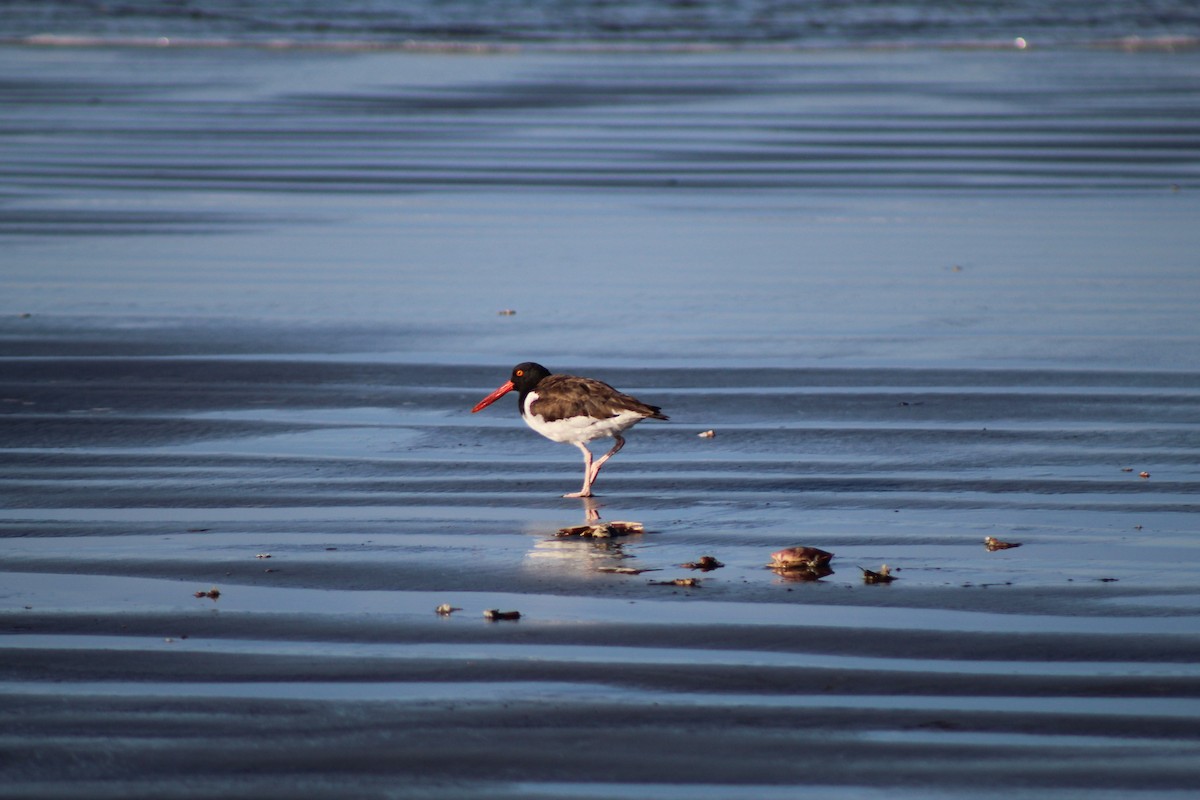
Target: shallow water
921,298
599,23
1046,658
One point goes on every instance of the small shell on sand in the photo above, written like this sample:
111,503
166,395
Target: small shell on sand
602,530
800,558
992,543
626,570
495,614
688,582
707,434
704,563
884,575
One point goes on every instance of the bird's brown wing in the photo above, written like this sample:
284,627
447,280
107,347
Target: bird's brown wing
563,396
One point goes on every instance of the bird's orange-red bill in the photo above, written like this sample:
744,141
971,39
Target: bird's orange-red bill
493,397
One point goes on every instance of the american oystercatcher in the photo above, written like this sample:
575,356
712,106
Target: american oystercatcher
567,408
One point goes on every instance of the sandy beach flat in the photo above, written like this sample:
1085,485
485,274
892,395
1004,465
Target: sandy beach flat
249,298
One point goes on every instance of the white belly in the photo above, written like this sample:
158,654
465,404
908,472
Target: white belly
577,429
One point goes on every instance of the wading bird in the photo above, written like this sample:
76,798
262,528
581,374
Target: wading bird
567,408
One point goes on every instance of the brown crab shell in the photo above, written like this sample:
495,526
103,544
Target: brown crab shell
800,558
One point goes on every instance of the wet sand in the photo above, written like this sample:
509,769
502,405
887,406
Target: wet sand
921,299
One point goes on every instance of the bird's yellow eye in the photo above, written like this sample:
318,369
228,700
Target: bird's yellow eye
520,373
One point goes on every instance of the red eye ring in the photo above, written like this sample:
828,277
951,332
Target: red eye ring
520,373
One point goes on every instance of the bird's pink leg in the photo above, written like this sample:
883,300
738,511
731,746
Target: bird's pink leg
615,448
588,473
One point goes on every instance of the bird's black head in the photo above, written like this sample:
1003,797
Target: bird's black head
526,375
